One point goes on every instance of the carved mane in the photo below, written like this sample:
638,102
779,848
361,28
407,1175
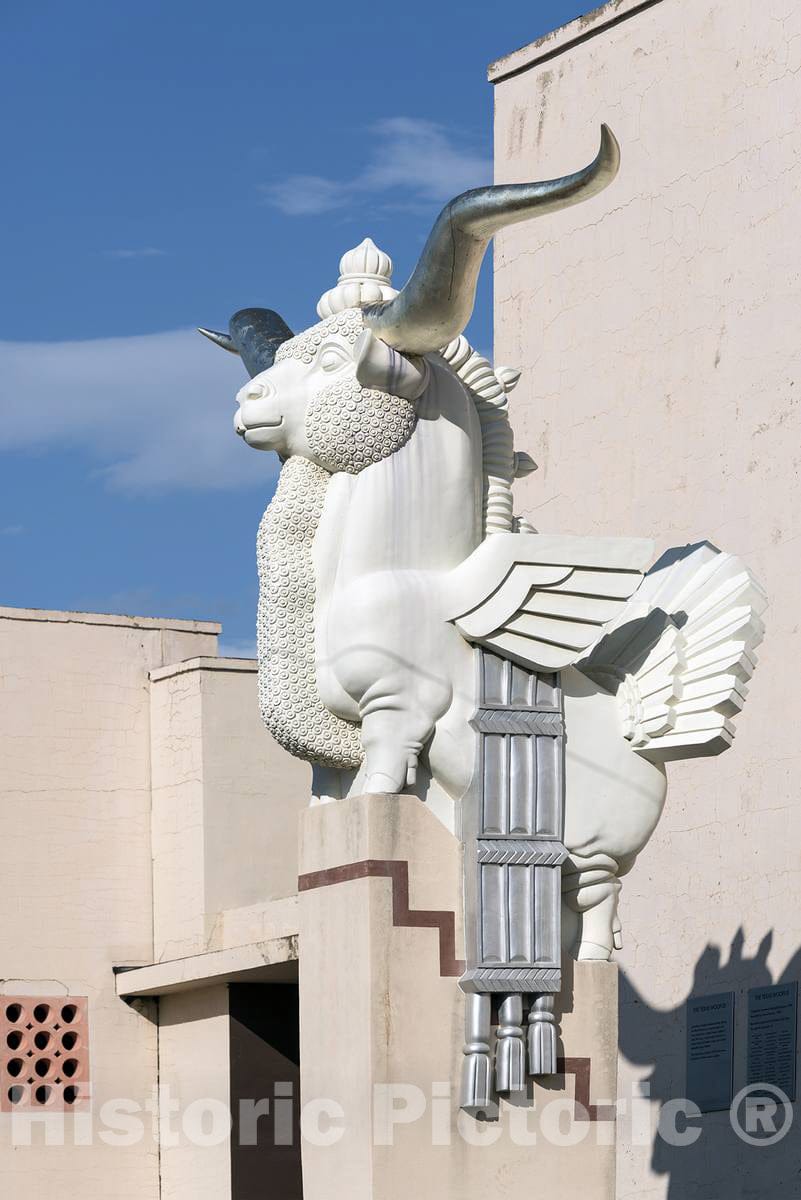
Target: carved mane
488,389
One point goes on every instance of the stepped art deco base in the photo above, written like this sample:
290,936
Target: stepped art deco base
382,1012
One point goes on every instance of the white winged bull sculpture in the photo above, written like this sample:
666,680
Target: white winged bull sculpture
413,634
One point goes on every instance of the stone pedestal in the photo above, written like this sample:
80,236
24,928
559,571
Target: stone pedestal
382,1029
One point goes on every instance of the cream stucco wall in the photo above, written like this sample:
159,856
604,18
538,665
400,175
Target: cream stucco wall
75,865
226,800
134,767
196,1103
657,329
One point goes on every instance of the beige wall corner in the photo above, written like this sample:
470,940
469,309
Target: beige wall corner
225,804
382,1027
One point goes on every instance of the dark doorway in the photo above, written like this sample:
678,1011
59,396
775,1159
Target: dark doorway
265,1092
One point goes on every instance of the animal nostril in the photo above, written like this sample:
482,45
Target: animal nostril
254,391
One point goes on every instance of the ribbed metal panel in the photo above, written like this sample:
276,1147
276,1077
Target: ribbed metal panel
514,847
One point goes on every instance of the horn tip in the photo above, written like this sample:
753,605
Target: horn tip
610,148
220,339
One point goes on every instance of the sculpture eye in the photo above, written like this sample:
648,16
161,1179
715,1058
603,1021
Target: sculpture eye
332,358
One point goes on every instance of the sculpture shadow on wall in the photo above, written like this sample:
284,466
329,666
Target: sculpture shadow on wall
717,1164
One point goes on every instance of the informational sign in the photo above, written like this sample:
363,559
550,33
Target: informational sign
772,1036
710,1051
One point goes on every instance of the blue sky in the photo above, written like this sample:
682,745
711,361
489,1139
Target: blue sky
167,163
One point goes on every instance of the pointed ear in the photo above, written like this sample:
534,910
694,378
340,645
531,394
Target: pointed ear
379,366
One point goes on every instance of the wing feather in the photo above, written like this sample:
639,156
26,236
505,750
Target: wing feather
682,653
543,600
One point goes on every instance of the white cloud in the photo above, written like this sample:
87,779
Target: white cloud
420,155
409,157
306,195
145,252
155,411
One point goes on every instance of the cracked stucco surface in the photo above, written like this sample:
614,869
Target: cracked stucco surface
657,329
75,863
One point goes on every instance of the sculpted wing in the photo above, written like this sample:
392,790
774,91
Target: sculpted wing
542,600
681,653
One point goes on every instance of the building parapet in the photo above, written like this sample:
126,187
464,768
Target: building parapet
58,616
558,41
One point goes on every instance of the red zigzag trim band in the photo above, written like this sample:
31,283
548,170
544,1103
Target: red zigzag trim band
403,917
583,1110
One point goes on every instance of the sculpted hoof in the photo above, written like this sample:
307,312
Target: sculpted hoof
388,780
379,784
592,952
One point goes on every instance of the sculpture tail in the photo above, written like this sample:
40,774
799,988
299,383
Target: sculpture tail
681,654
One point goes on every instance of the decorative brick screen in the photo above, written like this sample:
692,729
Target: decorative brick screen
44,1053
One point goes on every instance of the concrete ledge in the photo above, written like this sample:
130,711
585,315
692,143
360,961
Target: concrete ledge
84,618
204,663
566,37
274,960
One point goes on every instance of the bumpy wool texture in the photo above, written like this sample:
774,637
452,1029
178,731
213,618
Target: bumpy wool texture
349,427
348,324
290,705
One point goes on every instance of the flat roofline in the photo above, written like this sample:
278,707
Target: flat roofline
118,619
247,666
560,40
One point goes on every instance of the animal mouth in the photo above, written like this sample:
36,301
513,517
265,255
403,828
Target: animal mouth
264,425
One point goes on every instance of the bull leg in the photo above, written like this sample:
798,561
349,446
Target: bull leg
624,864
392,741
592,891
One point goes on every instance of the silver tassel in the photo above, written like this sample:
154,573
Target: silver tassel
477,1094
510,1055
542,1036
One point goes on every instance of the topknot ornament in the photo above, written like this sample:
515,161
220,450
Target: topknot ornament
365,274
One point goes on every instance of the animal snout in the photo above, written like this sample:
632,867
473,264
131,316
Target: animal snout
255,389
259,408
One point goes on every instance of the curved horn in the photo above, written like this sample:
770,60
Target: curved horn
437,302
256,334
